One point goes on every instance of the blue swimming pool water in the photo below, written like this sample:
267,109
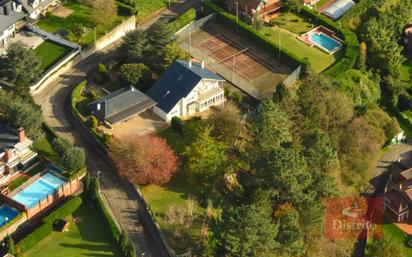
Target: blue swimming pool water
325,41
39,190
7,214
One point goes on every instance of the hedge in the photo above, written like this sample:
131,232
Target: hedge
111,225
351,42
46,228
183,20
230,20
74,98
178,125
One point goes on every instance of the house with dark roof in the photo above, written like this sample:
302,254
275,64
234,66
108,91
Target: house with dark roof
121,105
247,9
397,201
186,88
10,13
34,8
15,153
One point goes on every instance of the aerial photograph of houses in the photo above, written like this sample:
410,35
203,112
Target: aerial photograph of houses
203,128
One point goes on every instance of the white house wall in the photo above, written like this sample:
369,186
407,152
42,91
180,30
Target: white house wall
7,33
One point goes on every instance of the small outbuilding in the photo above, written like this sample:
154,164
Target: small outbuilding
121,105
61,225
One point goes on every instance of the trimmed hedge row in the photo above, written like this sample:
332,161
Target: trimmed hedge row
230,20
183,20
47,228
351,42
111,225
74,98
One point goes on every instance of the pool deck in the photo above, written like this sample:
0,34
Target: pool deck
321,29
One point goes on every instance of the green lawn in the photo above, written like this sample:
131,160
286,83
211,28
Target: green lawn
175,194
405,72
44,147
292,22
50,53
87,237
397,235
81,15
322,2
17,182
319,60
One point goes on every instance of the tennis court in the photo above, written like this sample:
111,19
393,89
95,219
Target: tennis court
237,59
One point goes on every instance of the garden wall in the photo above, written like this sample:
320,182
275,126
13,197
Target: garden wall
114,35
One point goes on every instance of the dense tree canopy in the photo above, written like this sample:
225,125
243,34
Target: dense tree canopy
20,65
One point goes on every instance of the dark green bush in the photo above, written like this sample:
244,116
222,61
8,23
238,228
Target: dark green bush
115,233
178,125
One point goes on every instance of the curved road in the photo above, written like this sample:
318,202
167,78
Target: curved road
123,203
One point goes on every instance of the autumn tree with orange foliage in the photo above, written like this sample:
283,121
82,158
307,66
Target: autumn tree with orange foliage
144,159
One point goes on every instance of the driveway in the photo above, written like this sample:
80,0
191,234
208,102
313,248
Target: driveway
122,202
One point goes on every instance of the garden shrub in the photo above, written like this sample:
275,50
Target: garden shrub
115,233
178,125
93,122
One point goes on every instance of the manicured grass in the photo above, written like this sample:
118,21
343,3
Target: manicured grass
292,22
86,237
44,147
17,182
322,2
175,194
50,53
319,60
81,15
405,72
397,235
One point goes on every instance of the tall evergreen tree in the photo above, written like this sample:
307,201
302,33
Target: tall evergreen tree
159,36
134,45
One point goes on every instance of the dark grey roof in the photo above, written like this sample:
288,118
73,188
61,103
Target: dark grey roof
177,82
6,20
27,5
8,137
121,105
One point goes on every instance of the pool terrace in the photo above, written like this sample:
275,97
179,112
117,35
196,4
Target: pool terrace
323,38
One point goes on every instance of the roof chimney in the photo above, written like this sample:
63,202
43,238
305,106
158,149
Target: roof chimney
9,154
190,63
203,64
21,135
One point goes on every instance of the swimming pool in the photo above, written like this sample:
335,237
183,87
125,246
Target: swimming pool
325,42
7,214
38,190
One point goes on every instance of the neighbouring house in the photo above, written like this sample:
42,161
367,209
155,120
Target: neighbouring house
35,8
408,39
10,14
121,105
397,202
186,88
15,153
247,9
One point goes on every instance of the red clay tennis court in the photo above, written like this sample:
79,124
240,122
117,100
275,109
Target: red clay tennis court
222,49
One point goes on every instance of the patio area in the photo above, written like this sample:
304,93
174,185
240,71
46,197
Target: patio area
30,39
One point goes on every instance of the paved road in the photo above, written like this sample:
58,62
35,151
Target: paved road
124,205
